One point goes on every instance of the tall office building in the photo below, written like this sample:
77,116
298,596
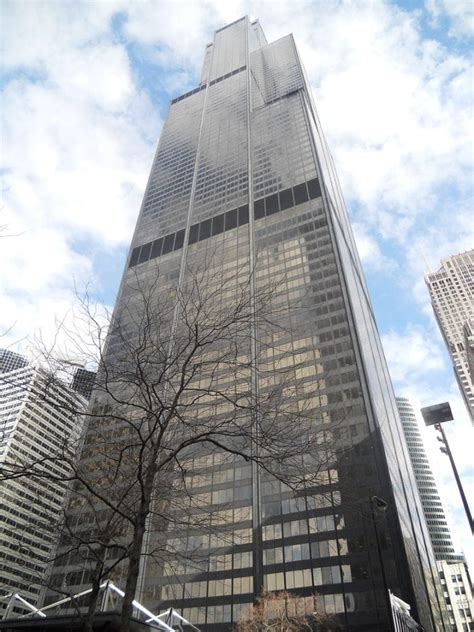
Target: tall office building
452,295
83,382
10,360
452,566
36,422
431,502
243,183
457,587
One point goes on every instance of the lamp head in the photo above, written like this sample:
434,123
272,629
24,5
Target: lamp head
379,503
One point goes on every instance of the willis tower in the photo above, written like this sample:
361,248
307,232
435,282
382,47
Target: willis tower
243,170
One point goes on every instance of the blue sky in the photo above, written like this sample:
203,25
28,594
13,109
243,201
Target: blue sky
85,90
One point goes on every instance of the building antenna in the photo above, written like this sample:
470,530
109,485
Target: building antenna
427,263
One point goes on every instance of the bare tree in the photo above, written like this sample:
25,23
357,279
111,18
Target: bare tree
286,612
183,372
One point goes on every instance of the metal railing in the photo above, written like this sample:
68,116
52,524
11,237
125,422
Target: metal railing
166,620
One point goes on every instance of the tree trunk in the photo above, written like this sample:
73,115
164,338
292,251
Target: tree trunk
135,552
94,596
132,578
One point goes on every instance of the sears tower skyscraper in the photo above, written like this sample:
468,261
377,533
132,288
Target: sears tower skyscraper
242,170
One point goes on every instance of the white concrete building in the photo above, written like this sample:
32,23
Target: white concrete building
438,528
38,425
452,296
457,588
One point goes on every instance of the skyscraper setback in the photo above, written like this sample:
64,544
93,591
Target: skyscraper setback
452,295
243,182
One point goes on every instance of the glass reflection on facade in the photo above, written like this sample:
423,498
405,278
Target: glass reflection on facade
243,171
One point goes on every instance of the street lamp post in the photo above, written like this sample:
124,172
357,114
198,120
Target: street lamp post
380,505
435,416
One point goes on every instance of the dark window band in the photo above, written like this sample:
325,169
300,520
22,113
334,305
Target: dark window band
188,94
283,96
227,75
263,207
211,83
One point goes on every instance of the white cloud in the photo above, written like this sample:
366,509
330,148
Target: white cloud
370,252
78,140
411,355
394,108
99,73
34,33
50,323
460,14
40,258
72,163
175,32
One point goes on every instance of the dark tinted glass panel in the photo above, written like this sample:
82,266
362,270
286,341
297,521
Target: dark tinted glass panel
217,224
193,234
231,219
300,192
244,215
145,252
179,241
319,223
286,199
314,189
205,230
156,248
259,209
271,204
168,244
134,257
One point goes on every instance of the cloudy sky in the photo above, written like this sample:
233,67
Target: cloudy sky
85,91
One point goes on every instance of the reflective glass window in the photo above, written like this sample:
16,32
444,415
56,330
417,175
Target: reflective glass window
145,252
156,248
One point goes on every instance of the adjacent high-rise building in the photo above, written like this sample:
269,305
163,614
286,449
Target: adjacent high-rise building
83,382
457,587
431,502
452,295
37,426
243,182
452,566
10,360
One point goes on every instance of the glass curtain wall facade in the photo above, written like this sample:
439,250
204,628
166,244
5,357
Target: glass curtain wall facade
243,172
